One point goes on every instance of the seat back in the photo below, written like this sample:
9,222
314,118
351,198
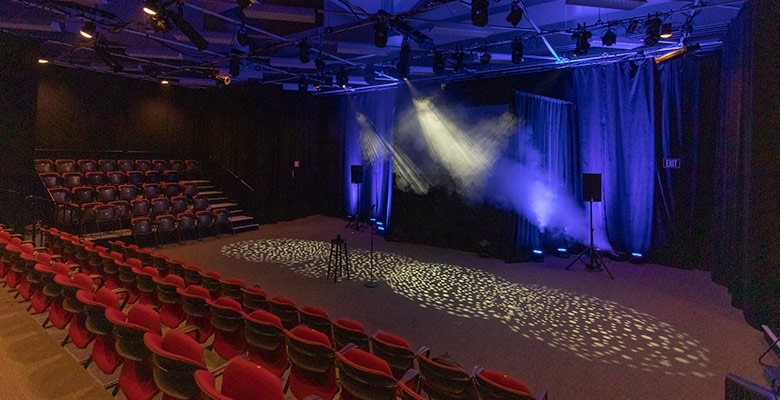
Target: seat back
50,179
151,190
141,226
106,194
444,381
178,204
231,287
175,358
82,194
171,176
126,165
171,189
200,203
347,331
143,165
317,319
254,298
492,385
309,350
107,165
160,205
364,376
395,351
242,380
116,178
128,192
135,177
95,178
72,179
285,309
43,165
65,165
165,223
153,176
264,330
159,165
190,188
87,166
140,207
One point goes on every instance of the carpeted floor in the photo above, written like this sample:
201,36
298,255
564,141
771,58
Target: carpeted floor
652,333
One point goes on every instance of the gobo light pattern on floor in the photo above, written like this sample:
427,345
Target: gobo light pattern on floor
594,329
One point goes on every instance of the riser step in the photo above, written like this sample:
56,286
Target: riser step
218,199
246,228
210,193
222,205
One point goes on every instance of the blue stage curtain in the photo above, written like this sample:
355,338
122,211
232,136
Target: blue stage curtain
616,131
368,139
548,126
688,126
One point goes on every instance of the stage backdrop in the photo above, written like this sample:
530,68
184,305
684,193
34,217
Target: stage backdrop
368,141
616,128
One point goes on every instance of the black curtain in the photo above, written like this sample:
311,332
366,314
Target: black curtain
688,116
747,194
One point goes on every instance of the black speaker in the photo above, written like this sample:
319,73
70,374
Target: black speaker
357,174
591,187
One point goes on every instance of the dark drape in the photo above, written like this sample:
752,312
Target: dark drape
616,130
368,120
549,127
747,194
688,121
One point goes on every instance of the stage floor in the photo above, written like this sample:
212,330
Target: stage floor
654,332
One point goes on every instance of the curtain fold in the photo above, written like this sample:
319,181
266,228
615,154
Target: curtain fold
687,128
546,141
368,140
616,132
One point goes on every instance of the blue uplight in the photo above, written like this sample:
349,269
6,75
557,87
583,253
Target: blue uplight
561,250
538,252
373,220
379,223
381,228
636,255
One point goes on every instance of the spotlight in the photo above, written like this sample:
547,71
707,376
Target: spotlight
160,23
102,52
459,58
43,61
88,30
235,66
151,7
515,14
609,38
380,34
652,31
581,36
319,62
562,252
485,57
479,12
342,79
438,63
632,26
242,37
221,79
637,258
188,30
538,255
164,82
303,52
666,30
403,61
517,51
245,3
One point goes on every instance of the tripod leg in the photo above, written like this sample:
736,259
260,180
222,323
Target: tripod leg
578,258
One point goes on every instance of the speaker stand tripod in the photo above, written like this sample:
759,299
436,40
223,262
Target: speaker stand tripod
595,262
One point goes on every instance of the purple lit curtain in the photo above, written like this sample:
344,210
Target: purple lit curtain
368,138
549,126
616,131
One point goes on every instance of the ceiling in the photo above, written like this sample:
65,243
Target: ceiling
341,34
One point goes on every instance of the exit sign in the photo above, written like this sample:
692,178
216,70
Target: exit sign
672,163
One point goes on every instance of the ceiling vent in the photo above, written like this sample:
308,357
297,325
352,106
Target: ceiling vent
614,4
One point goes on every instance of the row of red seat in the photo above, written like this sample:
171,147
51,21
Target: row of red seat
116,178
239,321
43,165
107,193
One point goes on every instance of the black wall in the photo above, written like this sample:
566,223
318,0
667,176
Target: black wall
91,111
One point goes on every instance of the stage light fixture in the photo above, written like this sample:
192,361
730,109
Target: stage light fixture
637,258
380,34
666,30
303,51
517,51
485,57
245,3
89,30
632,26
438,63
43,61
403,61
459,58
235,66
479,12
164,82
515,13
188,30
319,62
538,255
342,78
160,23
101,50
581,37
609,38
652,31
151,7
242,37
562,252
